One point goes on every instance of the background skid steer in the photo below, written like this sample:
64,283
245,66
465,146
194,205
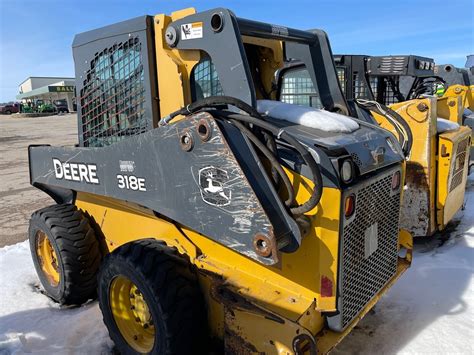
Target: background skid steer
215,221
437,163
459,85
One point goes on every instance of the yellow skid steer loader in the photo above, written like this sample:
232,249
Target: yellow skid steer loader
209,216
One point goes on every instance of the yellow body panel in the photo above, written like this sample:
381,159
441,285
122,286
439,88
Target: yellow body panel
471,97
452,173
464,92
464,95
450,108
270,59
173,67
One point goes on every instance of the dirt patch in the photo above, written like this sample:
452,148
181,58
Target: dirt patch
18,199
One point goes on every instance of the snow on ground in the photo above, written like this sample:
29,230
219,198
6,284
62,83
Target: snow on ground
430,310
32,322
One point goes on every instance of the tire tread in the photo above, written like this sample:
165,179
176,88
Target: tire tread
79,250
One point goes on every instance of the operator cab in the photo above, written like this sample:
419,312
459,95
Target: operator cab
272,79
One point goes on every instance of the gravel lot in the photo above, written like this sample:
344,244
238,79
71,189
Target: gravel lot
18,199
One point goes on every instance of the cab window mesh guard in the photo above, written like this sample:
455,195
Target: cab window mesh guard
341,75
391,89
113,95
205,81
297,88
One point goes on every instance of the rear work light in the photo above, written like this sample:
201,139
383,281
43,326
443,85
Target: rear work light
347,171
349,205
395,180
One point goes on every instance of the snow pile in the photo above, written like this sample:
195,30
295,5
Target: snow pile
30,321
430,310
445,125
307,116
468,113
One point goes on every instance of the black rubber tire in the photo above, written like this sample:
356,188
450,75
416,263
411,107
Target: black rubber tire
8,112
76,247
170,287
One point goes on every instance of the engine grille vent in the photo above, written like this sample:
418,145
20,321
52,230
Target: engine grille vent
458,166
393,65
356,159
369,250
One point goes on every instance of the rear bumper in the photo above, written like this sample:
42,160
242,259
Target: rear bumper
326,340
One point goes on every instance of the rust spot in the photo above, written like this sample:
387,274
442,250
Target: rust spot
416,175
266,245
263,245
186,140
422,107
232,300
304,344
326,287
234,343
203,130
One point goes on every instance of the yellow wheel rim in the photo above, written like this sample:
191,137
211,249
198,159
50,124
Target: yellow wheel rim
47,258
132,314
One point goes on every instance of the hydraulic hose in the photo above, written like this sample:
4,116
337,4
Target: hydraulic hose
404,132
254,118
212,101
271,157
425,86
300,148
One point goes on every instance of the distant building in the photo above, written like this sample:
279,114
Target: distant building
47,89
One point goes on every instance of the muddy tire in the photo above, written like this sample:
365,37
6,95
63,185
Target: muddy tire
151,301
65,252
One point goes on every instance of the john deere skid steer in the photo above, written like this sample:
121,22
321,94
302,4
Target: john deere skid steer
437,163
208,216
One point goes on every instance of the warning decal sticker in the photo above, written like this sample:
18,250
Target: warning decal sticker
191,30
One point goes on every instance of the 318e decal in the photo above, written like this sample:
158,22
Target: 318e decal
131,182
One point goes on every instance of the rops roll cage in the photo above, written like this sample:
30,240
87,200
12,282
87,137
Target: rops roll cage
389,67
221,39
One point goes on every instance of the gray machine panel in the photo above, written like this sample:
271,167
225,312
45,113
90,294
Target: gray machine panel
204,188
410,65
368,146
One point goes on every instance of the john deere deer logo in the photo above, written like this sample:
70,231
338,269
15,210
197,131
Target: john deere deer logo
212,185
